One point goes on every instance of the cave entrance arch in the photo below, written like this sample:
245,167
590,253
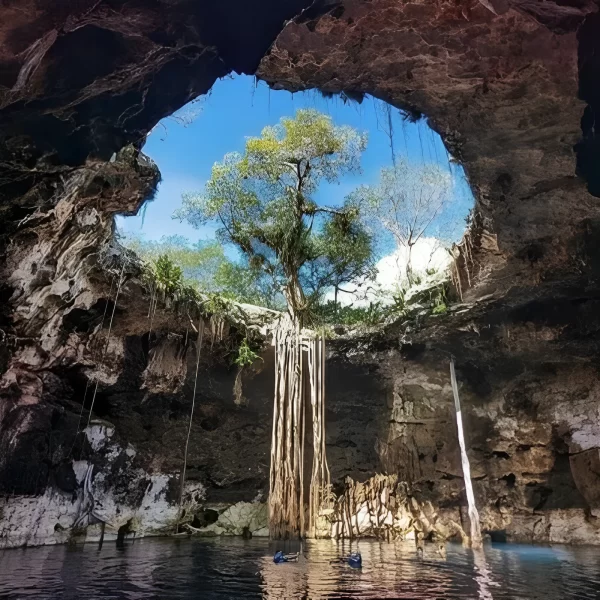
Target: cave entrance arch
400,139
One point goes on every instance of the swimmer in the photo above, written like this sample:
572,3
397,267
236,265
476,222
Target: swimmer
280,557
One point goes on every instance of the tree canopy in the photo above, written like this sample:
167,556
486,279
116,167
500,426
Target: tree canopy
262,200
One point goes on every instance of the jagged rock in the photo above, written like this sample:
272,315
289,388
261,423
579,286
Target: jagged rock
585,467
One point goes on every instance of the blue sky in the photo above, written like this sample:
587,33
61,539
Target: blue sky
237,108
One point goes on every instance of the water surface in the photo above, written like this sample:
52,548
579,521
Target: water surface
229,568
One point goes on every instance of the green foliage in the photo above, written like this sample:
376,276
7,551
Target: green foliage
262,201
200,261
206,269
399,300
217,305
438,297
245,283
440,309
332,314
246,356
168,276
406,304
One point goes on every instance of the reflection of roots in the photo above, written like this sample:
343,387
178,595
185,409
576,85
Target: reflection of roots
384,508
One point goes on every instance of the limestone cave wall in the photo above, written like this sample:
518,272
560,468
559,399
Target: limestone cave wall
532,443
512,88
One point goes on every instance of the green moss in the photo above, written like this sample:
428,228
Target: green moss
439,309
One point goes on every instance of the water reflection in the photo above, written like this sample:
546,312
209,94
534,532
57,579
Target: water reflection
217,569
483,575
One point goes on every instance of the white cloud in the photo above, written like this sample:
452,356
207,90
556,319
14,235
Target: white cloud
427,253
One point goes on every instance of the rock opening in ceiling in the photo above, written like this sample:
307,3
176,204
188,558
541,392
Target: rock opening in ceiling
412,196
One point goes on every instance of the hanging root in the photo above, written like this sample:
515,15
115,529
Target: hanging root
238,390
320,484
386,509
286,502
463,262
189,431
287,481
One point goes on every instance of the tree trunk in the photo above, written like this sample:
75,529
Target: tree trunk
335,301
409,270
296,301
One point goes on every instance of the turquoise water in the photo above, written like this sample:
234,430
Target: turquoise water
219,568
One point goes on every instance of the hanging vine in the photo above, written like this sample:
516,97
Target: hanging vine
190,423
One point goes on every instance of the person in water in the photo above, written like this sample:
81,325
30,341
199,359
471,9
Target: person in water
354,560
280,557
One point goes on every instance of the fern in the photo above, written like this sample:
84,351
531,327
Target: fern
246,356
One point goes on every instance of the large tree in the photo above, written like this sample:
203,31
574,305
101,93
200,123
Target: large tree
263,201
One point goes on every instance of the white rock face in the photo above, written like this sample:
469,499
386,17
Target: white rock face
40,520
57,517
98,434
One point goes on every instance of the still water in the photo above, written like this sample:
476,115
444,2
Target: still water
224,568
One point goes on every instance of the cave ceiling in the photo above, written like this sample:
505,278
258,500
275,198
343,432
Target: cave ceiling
512,86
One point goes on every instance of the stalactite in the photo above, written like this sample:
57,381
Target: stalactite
189,431
473,514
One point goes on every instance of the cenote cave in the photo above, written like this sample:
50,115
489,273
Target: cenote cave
300,299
